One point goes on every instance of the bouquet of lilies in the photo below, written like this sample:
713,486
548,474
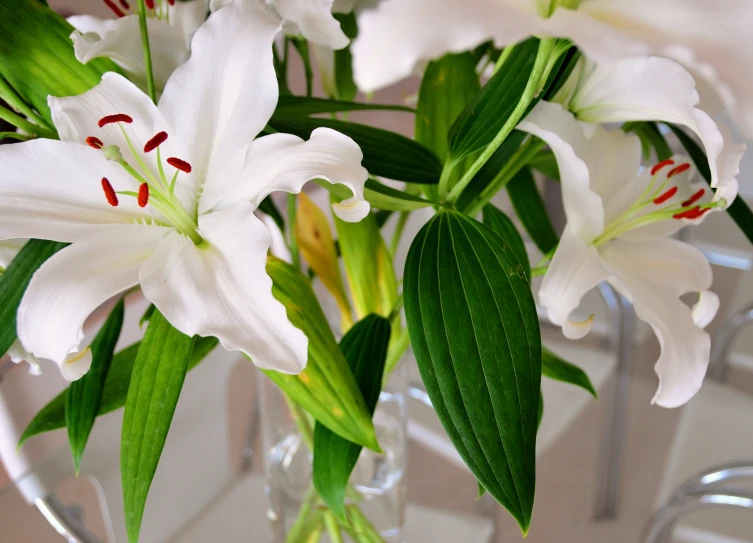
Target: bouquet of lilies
146,149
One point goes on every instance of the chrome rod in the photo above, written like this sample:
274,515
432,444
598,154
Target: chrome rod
723,342
711,478
65,524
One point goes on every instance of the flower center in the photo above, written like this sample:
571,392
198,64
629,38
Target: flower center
155,9
153,190
659,202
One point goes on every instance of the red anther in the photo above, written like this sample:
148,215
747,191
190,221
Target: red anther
660,165
678,170
155,142
125,4
149,4
693,213
116,10
179,164
112,198
172,2
143,197
91,141
693,199
666,196
117,118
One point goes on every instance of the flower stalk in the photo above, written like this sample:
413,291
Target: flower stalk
151,91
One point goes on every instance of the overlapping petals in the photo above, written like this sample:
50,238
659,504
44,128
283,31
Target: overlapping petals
164,196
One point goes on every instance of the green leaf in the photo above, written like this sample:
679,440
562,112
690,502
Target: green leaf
268,206
482,120
158,375
368,267
85,395
345,86
475,333
365,349
36,55
546,163
502,225
326,388
52,416
447,87
650,137
385,153
556,368
383,197
302,106
739,210
13,283
530,208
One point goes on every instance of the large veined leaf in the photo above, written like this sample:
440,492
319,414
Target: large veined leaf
368,266
13,283
365,349
739,210
85,395
326,388
530,208
501,224
157,379
36,55
385,153
114,392
474,330
482,120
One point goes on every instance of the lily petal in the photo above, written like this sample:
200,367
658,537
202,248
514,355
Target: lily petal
19,355
706,308
222,289
644,89
283,162
52,190
711,38
315,21
653,275
74,282
224,95
186,17
559,129
120,40
575,269
397,35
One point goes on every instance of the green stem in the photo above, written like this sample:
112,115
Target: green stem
399,227
362,527
444,180
15,135
506,52
19,122
539,270
302,46
12,98
147,53
292,238
533,88
299,530
517,162
330,521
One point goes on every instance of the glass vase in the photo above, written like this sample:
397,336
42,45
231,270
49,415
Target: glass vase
376,496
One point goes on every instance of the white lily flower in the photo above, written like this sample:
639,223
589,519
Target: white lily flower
650,89
311,18
171,26
73,368
164,196
711,38
618,223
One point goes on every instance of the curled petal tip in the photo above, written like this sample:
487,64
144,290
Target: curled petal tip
577,330
352,209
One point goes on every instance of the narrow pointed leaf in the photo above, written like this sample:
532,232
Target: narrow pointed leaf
368,267
326,388
502,225
475,333
157,379
530,208
556,368
318,247
385,153
739,210
85,395
365,349
478,125
52,416
383,197
13,283
302,106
